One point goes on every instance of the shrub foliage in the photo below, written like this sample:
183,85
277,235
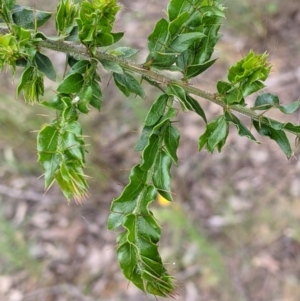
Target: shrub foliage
183,41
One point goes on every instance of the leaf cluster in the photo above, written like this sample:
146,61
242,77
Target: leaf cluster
184,42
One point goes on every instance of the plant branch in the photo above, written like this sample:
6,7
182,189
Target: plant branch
161,80
81,52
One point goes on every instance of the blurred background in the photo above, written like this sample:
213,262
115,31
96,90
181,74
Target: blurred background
232,233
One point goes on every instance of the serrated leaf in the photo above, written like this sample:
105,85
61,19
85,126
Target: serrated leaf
44,65
180,94
131,191
157,109
253,67
212,11
55,103
250,88
266,101
195,106
242,129
143,141
149,196
162,61
150,152
128,84
147,225
127,257
161,176
205,48
223,87
123,52
25,77
158,37
278,136
294,128
169,115
290,108
215,135
195,70
184,41
28,18
40,36
71,84
65,16
111,66
79,66
234,96
176,25
85,96
47,144
96,101
171,140
117,36
103,39
176,7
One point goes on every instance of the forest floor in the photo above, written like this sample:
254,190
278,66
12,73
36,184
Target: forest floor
232,233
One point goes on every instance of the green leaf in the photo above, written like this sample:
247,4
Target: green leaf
266,101
290,108
65,16
71,84
28,18
179,93
157,109
44,65
143,141
9,3
161,60
55,103
161,176
242,129
150,152
171,139
123,52
195,106
294,128
40,36
253,67
103,39
128,84
111,66
213,11
176,26
215,134
96,101
194,70
47,145
32,84
250,88
278,136
184,41
25,77
127,256
176,7
80,67
131,191
85,97
234,96
167,116
158,37
117,36
150,195
223,87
